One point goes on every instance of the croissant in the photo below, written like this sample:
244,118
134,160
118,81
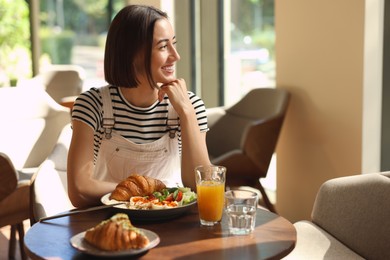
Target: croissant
136,185
116,233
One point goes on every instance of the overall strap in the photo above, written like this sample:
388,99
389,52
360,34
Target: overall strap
172,121
108,115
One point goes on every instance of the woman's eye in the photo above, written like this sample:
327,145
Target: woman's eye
164,47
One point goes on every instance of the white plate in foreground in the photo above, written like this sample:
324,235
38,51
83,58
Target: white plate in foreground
82,245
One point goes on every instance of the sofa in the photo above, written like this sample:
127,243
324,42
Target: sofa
350,220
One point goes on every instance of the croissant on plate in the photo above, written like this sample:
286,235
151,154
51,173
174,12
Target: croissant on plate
116,233
136,185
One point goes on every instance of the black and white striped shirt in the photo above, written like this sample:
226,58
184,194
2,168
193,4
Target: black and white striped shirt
140,125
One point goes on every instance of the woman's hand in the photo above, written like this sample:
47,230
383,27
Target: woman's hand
178,95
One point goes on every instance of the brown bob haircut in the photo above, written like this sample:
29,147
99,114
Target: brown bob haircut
130,34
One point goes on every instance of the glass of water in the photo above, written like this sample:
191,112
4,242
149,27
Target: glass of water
240,207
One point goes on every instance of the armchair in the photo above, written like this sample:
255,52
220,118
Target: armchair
350,220
243,137
31,124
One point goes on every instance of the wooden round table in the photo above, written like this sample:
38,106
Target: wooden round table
181,238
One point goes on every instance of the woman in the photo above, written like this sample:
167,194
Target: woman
144,122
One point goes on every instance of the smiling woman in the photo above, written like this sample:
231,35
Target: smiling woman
126,127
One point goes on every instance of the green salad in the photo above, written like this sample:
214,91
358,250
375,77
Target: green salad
182,195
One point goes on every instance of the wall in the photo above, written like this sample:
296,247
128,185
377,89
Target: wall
319,57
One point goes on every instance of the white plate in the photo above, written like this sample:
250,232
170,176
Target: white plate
149,214
82,245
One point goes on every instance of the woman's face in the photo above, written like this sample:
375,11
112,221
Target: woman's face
164,54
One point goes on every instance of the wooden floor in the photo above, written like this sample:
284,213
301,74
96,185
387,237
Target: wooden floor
4,241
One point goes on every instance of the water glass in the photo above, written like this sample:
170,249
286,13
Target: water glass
240,207
210,188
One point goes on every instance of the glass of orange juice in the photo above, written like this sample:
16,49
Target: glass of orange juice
210,188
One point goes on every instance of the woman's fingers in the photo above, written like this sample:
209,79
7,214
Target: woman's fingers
177,93
175,89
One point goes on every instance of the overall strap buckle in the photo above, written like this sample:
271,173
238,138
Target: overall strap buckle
108,124
172,126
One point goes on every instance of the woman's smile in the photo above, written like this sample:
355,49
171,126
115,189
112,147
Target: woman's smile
169,69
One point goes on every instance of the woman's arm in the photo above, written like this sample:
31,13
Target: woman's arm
194,148
83,190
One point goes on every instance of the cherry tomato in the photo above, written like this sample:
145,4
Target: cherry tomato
170,197
179,196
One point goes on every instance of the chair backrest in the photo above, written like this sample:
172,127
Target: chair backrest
59,81
252,125
31,124
261,103
356,211
63,81
48,188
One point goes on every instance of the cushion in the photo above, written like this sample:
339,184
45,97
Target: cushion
315,243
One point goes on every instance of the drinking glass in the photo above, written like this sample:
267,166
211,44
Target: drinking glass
210,187
240,206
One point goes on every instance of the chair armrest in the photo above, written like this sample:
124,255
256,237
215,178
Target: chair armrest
8,176
214,114
315,243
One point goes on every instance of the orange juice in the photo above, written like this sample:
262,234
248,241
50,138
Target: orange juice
210,200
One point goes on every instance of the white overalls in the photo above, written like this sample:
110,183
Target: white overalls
119,157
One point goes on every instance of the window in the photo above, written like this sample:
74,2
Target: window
249,62
15,61
74,32
249,47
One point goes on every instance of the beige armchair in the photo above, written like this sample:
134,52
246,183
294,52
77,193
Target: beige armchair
31,122
243,137
350,220
48,189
